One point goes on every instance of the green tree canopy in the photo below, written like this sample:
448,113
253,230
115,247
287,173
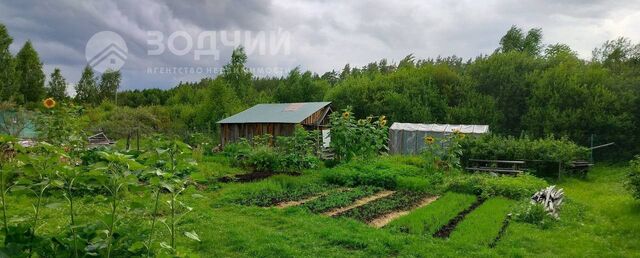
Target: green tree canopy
30,77
57,88
87,89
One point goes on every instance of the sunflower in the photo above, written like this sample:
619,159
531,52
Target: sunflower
461,136
346,115
429,140
49,103
383,122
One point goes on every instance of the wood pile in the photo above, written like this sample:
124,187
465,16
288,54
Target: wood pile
550,198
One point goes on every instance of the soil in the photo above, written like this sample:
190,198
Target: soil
386,218
446,230
359,203
251,177
503,229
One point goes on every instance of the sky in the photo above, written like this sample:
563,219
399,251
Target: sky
280,35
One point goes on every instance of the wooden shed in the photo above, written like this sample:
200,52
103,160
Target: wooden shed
275,119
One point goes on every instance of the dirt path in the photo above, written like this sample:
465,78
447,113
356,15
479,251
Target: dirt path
386,218
300,202
359,203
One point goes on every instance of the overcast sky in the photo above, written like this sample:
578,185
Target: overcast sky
315,35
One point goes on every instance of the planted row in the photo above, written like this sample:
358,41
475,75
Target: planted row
339,199
483,224
401,200
277,189
427,220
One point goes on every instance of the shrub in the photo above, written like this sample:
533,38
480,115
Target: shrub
485,185
533,213
632,182
510,148
289,154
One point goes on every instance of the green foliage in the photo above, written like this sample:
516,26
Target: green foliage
300,87
87,87
392,172
533,213
517,188
109,84
509,148
427,220
443,153
632,181
57,87
357,138
29,75
276,189
7,66
62,125
397,201
290,154
339,199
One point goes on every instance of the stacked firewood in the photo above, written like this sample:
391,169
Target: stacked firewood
550,198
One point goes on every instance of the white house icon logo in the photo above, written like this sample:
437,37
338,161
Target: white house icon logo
106,50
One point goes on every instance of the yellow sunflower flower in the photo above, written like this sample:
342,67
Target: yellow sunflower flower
429,140
49,103
346,115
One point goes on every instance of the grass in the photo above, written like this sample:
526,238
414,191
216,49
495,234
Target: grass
427,220
599,219
339,199
482,225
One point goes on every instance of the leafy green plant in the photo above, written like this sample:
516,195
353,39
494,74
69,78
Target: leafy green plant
443,153
517,188
533,213
115,174
363,137
632,181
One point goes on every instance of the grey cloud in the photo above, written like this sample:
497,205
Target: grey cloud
325,35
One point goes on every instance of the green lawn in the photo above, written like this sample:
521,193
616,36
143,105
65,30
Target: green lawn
599,219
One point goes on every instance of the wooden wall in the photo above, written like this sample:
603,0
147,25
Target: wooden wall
233,132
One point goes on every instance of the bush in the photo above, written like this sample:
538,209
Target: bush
289,154
390,172
533,213
525,148
485,185
632,182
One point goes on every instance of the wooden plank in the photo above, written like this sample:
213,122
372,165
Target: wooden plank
499,161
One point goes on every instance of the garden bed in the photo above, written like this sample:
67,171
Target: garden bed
427,220
446,230
387,218
339,199
398,201
484,224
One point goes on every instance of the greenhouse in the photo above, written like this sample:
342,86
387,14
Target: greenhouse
408,138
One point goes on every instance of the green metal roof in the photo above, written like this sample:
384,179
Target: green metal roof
290,113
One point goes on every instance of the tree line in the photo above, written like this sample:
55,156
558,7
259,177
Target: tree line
523,88
22,79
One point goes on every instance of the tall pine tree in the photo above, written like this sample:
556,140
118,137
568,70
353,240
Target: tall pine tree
7,66
57,88
30,77
86,89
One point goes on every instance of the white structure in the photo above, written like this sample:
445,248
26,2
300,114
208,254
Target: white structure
408,138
